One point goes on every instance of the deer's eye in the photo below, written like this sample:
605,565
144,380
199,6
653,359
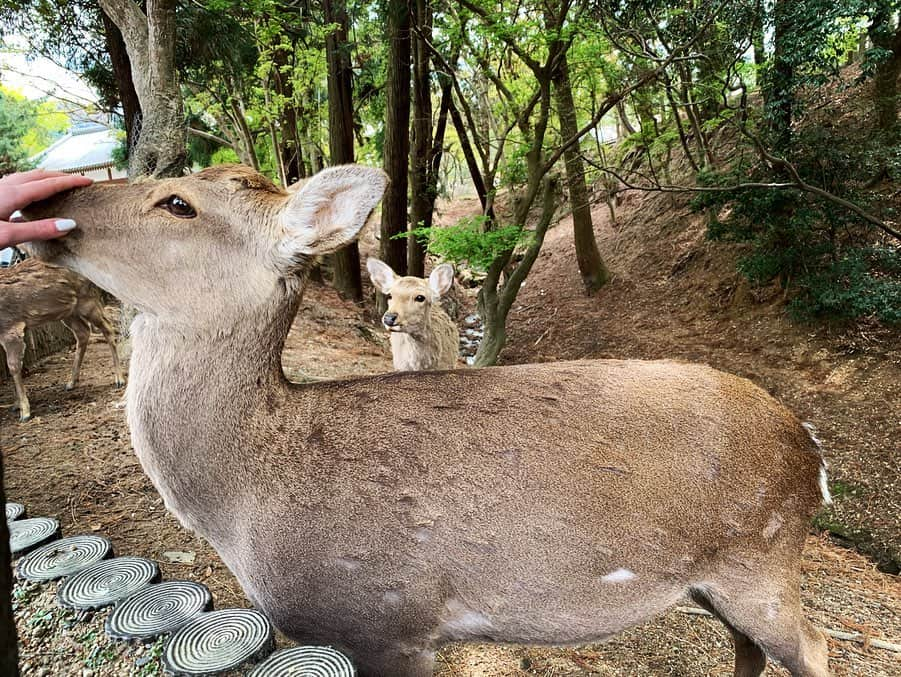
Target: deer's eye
177,207
420,299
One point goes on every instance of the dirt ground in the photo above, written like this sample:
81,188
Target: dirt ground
73,459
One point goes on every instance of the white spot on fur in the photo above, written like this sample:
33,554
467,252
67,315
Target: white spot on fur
422,535
348,563
391,597
618,576
463,623
773,526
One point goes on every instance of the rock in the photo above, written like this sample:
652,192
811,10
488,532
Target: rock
179,557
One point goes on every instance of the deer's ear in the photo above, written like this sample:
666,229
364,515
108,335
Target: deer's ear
328,210
382,276
441,279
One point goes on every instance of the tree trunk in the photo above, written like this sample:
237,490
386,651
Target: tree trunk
249,154
780,92
591,267
494,299
421,202
757,37
160,149
397,141
885,90
290,142
677,120
624,118
478,181
345,262
128,97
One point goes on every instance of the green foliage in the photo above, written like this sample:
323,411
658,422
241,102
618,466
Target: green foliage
865,282
823,255
224,156
468,242
17,117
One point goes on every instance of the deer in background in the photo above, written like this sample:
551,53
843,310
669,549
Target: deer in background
33,293
423,336
555,503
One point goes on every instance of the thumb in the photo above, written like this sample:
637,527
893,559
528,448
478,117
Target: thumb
44,229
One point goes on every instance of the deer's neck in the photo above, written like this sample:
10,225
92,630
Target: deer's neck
192,397
419,350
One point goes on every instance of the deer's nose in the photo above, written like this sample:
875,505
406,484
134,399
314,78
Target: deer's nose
390,319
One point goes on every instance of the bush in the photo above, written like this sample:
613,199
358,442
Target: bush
823,255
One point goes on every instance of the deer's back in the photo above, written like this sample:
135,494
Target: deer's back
35,293
588,444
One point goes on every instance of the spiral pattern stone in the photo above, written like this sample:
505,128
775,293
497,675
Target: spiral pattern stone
107,582
14,511
63,558
157,610
26,535
218,641
305,661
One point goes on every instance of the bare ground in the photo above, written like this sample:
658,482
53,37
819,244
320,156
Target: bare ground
673,295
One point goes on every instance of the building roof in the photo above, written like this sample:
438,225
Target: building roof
84,148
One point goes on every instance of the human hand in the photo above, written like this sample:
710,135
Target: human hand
17,191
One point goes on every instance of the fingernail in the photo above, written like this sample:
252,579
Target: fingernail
63,225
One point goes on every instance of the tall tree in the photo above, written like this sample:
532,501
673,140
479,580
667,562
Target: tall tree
781,89
591,266
345,262
420,160
393,250
160,148
885,34
128,97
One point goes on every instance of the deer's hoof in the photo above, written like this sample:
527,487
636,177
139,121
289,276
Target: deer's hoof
70,386
24,417
120,382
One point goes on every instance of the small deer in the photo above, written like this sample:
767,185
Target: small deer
555,503
34,293
423,336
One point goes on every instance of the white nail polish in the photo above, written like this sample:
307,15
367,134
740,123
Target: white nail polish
63,225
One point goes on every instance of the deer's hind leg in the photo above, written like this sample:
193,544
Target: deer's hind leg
764,615
95,315
13,342
82,332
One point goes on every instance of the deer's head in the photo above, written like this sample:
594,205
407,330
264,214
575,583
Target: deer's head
220,241
409,298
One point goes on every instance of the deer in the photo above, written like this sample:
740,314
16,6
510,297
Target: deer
34,293
423,336
556,503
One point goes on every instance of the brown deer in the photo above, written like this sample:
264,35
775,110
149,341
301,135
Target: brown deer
34,293
423,336
555,503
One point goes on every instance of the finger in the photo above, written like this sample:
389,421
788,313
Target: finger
41,189
31,175
44,229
